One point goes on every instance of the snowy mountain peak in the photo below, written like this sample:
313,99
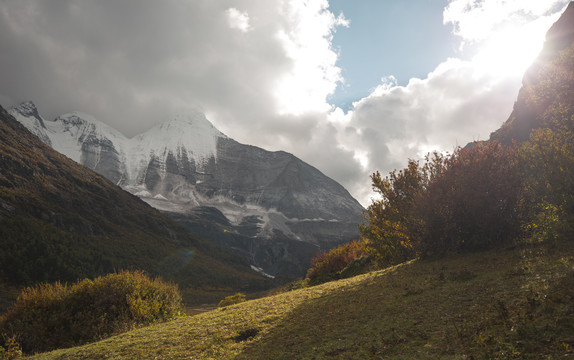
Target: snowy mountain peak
27,108
27,114
74,134
185,163
88,125
189,133
190,122
77,118
187,136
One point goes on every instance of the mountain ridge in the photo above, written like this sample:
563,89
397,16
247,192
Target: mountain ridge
185,162
539,99
60,221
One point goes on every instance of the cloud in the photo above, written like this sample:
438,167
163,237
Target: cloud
130,63
454,105
238,20
460,101
476,20
307,41
262,72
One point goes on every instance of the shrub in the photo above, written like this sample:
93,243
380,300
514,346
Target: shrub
549,159
232,300
340,262
394,224
12,351
474,203
470,200
50,316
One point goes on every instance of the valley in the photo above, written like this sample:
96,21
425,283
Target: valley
463,255
185,164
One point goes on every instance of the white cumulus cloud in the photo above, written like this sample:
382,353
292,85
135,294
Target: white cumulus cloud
313,74
238,20
480,19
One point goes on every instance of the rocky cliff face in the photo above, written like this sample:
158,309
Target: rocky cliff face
185,166
546,85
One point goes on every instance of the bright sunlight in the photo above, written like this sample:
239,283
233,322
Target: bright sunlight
510,51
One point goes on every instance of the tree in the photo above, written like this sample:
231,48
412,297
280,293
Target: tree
471,199
392,225
549,167
475,202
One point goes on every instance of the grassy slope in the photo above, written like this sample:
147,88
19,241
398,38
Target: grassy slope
498,304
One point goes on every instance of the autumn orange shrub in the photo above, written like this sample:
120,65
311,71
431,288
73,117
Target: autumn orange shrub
469,200
338,262
50,316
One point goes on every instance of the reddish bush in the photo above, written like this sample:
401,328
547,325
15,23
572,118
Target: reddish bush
475,202
331,265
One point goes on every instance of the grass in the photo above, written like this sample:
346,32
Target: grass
508,303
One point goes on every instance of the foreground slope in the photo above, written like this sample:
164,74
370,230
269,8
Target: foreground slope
60,221
508,303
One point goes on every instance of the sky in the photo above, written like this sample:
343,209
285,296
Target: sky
349,86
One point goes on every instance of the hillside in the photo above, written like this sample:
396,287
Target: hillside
189,169
60,221
507,303
547,91
483,243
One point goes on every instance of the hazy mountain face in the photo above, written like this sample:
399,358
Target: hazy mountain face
291,209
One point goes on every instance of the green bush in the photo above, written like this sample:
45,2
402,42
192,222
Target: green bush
392,224
50,316
232,300
343,261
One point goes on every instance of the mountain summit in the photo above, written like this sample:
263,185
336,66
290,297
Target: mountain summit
271,207
546,86
60,221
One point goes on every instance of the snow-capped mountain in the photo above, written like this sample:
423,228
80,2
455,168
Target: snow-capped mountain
27,114
271,207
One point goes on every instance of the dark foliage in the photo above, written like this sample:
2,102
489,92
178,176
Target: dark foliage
465,201
549,158
474,202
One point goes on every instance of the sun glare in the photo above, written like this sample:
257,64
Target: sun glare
511,49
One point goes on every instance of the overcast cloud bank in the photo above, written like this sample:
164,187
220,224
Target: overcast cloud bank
262,71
